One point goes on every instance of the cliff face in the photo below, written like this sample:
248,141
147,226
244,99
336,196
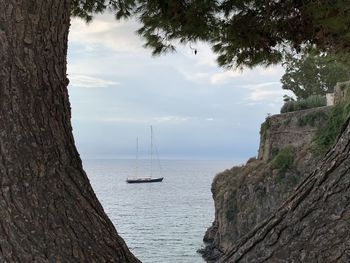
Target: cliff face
313,224
292,129
247,195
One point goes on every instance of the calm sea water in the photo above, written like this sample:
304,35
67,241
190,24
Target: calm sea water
161,222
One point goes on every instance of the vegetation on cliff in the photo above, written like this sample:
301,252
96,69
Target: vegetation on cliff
283,159
327,134
313,101
246,195
313,224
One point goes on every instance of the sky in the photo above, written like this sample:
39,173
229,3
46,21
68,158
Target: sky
197,110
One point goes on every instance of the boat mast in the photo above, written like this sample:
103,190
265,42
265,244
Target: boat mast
151,151
137,155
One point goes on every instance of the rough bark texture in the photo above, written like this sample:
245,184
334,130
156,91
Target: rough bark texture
311,226
49,212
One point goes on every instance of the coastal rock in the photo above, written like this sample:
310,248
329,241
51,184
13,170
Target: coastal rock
294,129
313,224
246,195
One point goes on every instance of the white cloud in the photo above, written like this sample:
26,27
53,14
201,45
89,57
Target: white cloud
203,57
90,82
172,119
138,119
217,78
260,94
269,92
197,77
107,52
106,31
261,85
226,76
271,71
112,119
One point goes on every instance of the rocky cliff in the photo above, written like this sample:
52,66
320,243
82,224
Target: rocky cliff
313,224
292,129
249,194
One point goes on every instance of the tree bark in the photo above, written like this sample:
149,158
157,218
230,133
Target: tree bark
49,212
311,226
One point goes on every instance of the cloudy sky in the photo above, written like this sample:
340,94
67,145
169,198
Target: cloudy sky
117,90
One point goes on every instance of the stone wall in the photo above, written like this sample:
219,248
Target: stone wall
289,129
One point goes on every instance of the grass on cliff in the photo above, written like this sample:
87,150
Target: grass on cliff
313,119
310,102
284,159
327,134
284,162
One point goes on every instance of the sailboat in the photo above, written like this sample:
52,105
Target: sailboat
148,179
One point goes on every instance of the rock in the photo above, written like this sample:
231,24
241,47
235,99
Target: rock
313,225
247,195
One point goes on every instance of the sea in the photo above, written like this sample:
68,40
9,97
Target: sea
160,222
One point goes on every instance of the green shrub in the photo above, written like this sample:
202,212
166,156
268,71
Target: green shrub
310,102
274,152
313,119
284,159
327,134
288,106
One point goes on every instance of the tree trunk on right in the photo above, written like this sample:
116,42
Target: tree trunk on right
311,226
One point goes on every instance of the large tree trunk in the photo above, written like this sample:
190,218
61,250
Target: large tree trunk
314,224
48,210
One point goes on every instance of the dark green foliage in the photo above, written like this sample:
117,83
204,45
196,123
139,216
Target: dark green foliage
163,22
313,73
262,32
274,152
232,207
326,135
87,8
284,159
314,119
242,33
312,101
167,21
